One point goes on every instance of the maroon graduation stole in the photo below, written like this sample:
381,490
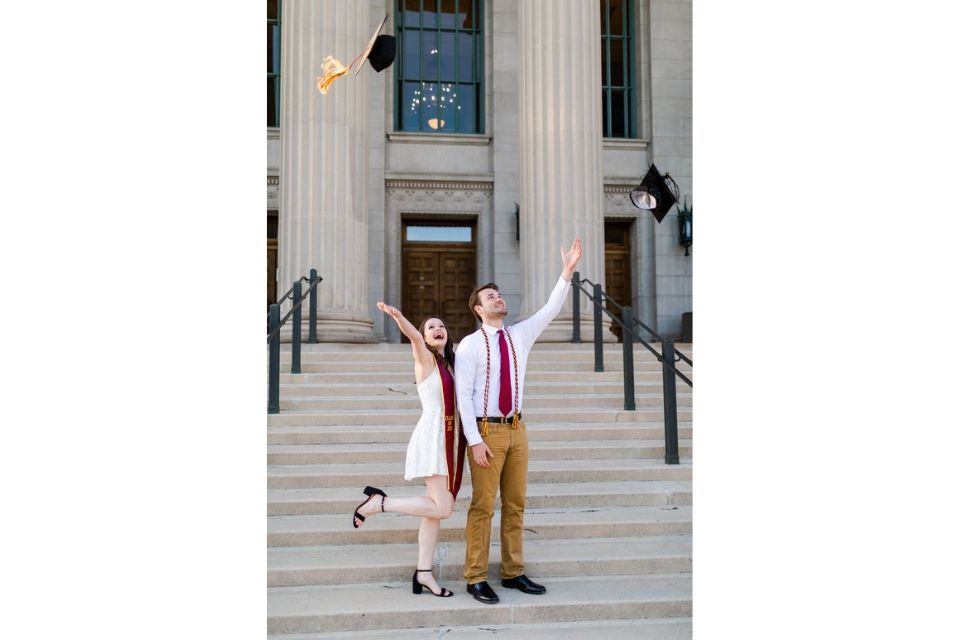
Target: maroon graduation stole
452,430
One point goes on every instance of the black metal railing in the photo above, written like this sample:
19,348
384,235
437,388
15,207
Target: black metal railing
630,325
274,323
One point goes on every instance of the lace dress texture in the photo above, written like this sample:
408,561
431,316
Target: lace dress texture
425,452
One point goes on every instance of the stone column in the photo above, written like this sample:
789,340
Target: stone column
560,126
323,165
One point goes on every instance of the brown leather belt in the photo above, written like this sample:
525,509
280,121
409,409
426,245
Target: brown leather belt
501,420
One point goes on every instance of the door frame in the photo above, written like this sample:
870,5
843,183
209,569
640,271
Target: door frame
421,220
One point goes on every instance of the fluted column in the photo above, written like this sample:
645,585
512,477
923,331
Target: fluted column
560,125
323,166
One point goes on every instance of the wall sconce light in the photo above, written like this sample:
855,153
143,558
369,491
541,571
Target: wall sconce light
516,213
685,217
656,193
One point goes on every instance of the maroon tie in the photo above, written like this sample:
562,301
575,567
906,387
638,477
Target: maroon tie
505,400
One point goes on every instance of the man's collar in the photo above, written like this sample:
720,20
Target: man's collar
489,329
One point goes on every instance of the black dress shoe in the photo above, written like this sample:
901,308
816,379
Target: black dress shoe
483,592
524,584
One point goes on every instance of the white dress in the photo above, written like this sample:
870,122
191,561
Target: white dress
426,455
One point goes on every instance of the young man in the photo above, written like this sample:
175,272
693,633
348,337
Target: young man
490,367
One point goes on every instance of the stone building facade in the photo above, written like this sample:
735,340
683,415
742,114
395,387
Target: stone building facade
551,111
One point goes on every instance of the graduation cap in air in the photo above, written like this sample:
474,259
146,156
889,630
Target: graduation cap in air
656,193
380,51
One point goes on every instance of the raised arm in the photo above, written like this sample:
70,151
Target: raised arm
422,357
531,328
570,259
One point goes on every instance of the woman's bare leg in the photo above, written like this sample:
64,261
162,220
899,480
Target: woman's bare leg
438,503
430,529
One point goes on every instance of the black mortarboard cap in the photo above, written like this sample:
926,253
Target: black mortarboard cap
380,50
655,185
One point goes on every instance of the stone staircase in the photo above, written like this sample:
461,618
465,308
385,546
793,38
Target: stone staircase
607,527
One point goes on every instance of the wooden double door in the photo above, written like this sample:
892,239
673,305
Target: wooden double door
439,272
618,267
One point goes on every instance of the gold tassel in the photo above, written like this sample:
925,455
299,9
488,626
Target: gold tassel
484,429
516,421
332,69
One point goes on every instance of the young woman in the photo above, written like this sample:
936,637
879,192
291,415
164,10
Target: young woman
430,453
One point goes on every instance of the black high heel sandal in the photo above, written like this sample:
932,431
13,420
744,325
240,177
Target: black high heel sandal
369,491
418,588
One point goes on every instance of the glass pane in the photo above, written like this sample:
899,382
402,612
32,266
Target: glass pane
465,14
430,106
603,16
617,16
411,13
429,17
449,101
447,17
439,234
447,55
272,9
410,106
271,102
411,54
613,233
430,55
466,101
273,48
465,57
606,117
604,76
617,77
618,129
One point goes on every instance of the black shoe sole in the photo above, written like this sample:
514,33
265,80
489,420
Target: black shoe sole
529,593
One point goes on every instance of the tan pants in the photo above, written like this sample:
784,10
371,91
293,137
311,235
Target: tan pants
508,472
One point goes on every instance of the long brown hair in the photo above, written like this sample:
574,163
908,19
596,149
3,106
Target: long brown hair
447,354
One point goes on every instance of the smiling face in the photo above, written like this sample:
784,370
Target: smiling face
490,305
434,333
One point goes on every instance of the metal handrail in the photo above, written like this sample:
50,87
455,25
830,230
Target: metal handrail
670,373
637,337
680,355
274,324
295,306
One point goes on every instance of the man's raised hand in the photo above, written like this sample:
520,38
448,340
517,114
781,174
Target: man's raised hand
571,258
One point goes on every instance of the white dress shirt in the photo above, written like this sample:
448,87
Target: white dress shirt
471,363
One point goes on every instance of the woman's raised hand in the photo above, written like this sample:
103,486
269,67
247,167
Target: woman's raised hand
393,312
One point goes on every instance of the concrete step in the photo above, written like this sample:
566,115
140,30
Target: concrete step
679,628
390,528
340,564
542,351
348,348
390,606
553,360
562,495
395,453
378,474
318,417
373,434
400,400
405,377
575,386
406,366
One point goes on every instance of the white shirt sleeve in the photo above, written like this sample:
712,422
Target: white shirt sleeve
531,328
465,372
